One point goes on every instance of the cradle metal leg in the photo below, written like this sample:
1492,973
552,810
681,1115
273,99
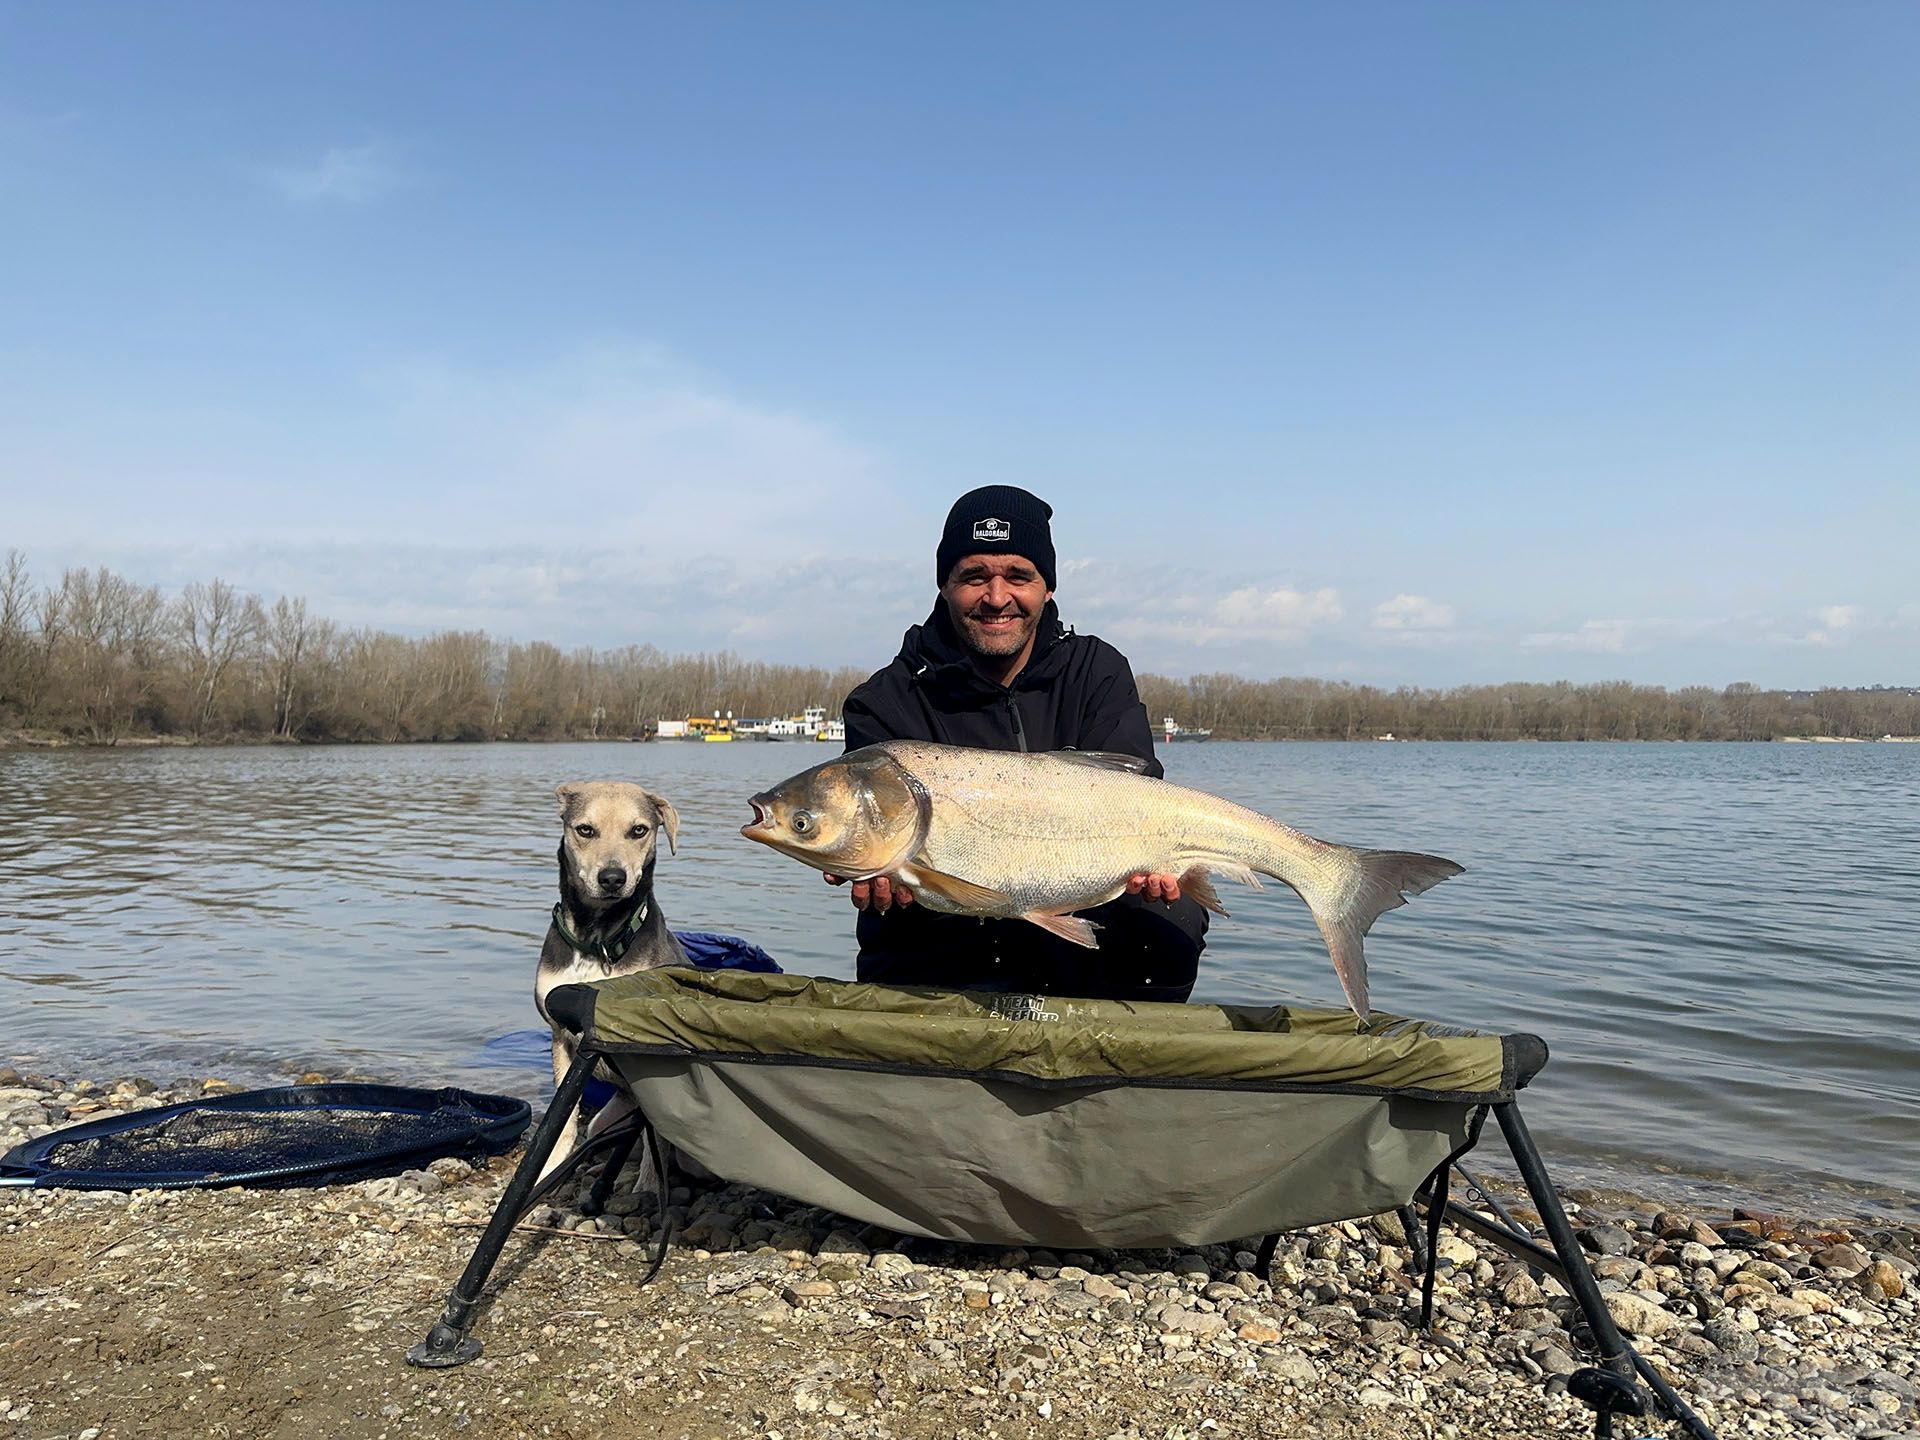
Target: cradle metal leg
448,1342
609,1175
1612,1391
1614,1352
1416,1241
1479,1194
1514,1241
1263,1259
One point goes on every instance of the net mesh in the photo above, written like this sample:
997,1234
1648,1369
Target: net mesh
234,1142
292,1135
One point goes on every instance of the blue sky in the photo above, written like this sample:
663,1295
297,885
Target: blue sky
1406,343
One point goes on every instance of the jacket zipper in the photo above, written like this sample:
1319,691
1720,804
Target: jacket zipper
1019,730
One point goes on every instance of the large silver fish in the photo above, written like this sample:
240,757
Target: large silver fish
1039,836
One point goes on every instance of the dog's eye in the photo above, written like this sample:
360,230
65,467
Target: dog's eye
639,832
585,832
802,822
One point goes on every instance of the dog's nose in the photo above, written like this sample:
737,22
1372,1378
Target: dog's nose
612,877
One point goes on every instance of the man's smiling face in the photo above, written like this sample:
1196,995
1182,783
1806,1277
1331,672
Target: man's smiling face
994,602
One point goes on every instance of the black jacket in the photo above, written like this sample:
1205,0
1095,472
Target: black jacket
1075,692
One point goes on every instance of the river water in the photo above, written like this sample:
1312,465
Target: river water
1718,942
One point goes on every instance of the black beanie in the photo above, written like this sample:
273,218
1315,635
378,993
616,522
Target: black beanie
997,520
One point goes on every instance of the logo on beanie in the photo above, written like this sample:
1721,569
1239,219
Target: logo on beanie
991,529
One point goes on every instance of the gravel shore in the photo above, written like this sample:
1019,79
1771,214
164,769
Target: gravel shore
266,1313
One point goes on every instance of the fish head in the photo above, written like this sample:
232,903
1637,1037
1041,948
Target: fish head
857,816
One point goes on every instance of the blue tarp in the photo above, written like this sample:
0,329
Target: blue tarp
725,952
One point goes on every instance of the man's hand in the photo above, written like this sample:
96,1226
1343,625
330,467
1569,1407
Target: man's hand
1155,887
879,892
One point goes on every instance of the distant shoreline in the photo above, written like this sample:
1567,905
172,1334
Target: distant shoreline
20,740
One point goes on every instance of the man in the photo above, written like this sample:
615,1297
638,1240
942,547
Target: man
993,668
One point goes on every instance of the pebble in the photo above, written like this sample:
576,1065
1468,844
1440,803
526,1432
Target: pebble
1843,1257
1607,1239
1522,1291
841,1242
1731,1339
1671,1224
1882,1281
1291,1365
1638,1315
1554,1361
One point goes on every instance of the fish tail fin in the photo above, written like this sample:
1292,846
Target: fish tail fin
1345,908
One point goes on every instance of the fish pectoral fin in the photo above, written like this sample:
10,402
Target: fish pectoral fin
963,894
1195,885
1067,927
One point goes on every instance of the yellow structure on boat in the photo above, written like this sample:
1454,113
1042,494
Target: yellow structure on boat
697,727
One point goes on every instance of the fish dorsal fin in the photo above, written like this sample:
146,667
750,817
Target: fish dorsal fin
1104,760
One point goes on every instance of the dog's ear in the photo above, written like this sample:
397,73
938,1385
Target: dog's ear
669,820
566,795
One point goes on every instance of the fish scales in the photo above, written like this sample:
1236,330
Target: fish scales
1101,825
1039,836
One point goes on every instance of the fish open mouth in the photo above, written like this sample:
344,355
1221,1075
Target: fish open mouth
762,822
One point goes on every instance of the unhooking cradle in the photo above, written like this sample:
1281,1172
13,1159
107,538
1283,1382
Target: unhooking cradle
1056,1122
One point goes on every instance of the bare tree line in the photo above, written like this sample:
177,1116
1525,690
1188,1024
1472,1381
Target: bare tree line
1300,709
102,659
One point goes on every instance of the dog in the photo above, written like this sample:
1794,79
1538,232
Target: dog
607,922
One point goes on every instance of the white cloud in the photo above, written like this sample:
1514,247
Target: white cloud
1835,623
620,444
1252,614
1280,612
611,446
342,175
1595,637
1412,612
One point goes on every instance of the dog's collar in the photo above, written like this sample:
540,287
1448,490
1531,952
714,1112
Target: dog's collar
610,951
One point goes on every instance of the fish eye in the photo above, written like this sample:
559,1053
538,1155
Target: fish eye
638,832
585,832
802,821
